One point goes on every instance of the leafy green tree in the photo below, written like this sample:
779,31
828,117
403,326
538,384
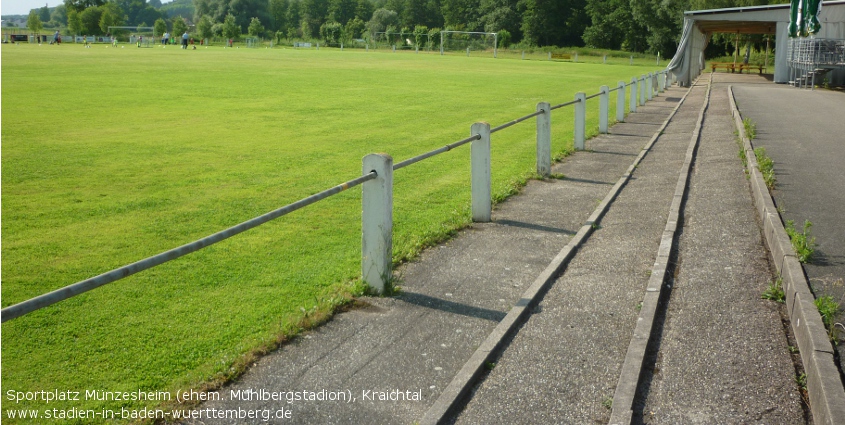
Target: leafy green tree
74,22
231,30
382,18
44,14
342,11
255,28
364,10
179,26
331,32
204,27
111,15
80,5
159,27
355,28
90,18
59,14
420,35
554,22
497,15
33,22
612,26
503,39
314,14
245,10
294,17
460,14
278,13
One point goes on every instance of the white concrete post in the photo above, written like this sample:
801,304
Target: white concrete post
580,120
634,94
661,82
377,222
576,57
544,140
620,102
523,55
649,86
550,55
605,59
482,195
604,108
642,90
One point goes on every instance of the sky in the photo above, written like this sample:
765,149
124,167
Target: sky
22,7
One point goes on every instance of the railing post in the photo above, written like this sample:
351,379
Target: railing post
620,102
482,196
377,222
661,82
649,86
544,140
580,120
634,94
604,108
642,90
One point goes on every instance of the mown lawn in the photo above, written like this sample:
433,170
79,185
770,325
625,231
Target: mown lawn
112,155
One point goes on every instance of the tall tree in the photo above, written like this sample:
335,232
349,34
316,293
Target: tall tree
314,14
44,14
612,26
231,30
80,5
342,11
59,14
111,16
278,13
74,22
33,22
554,22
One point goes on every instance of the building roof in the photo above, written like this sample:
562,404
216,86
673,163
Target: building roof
745,20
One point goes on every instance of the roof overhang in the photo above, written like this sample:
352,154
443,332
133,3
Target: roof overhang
744,20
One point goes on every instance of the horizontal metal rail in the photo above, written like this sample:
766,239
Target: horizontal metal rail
571,102
516,121
446,148
50,298
593,95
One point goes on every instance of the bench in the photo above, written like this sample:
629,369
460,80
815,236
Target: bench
561,56
749,67
727,65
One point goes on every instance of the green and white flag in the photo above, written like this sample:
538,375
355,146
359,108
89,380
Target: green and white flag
804,17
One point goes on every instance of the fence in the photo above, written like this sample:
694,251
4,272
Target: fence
377,197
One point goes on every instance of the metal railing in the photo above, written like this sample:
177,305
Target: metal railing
377,198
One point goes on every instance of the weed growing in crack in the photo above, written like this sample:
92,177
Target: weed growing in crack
803,244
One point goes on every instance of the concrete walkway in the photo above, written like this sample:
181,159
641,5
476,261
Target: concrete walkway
399,360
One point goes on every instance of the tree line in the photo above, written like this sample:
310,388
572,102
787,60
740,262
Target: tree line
649,26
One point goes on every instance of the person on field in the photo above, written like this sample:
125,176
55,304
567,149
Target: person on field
57,38
185,40
165,37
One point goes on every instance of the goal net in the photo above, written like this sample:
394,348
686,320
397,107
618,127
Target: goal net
468,41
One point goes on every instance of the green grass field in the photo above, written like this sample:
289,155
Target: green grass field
112,155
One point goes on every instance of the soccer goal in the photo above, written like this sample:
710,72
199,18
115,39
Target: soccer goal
468,41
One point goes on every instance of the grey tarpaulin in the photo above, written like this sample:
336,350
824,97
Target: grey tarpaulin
689,59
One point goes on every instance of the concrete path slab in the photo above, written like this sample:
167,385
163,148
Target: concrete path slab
723,354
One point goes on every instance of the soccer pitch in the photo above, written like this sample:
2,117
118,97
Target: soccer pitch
112,155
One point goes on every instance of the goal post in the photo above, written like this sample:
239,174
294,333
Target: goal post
468,41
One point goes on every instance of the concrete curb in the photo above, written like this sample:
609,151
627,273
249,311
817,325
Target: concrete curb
827,396
629,378
461,384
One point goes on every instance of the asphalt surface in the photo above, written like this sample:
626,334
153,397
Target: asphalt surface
803,131
388,360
